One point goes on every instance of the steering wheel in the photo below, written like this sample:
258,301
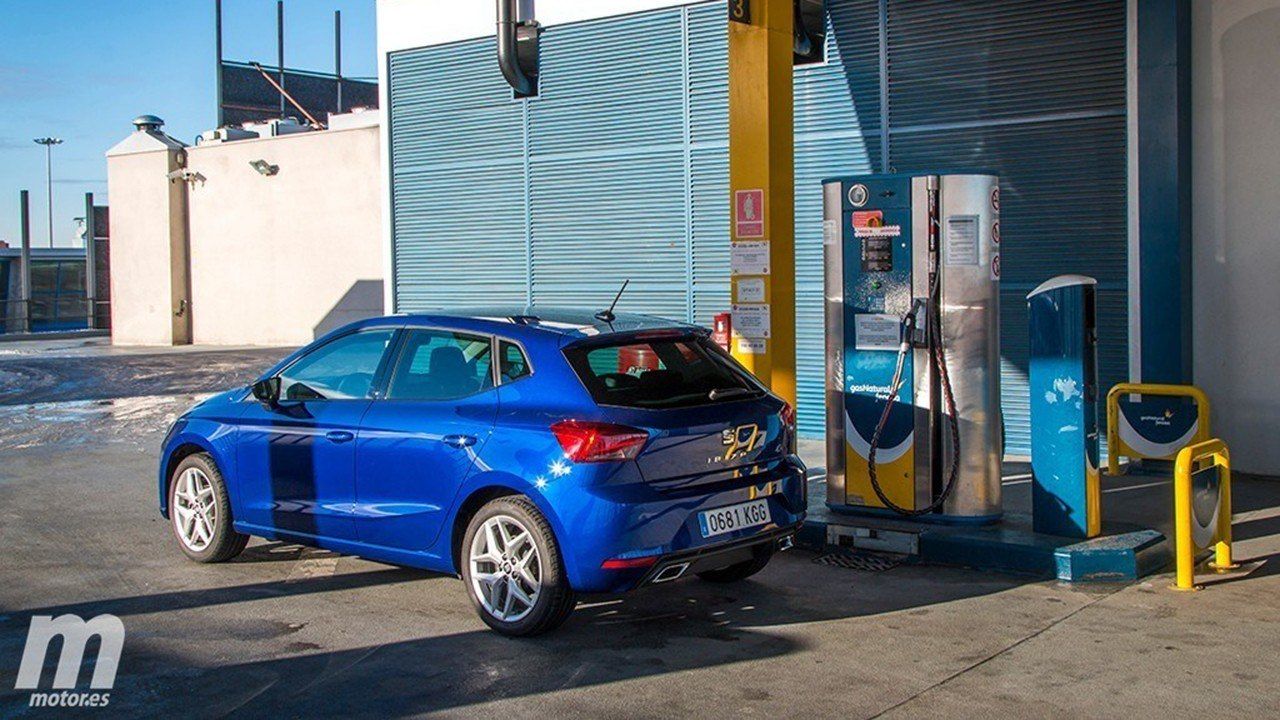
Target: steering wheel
355,385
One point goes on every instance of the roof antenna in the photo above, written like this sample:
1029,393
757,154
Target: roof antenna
607,315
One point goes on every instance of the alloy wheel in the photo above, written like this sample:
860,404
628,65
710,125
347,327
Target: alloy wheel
506,569
195,509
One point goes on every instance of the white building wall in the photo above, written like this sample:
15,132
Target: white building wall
242,258
149,261
1236,222
282,259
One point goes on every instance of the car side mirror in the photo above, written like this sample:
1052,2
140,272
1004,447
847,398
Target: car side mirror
267,391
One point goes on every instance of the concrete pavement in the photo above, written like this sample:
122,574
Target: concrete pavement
292,632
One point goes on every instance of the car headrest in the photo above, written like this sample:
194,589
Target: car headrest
448,361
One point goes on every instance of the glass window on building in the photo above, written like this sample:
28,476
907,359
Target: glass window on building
58,298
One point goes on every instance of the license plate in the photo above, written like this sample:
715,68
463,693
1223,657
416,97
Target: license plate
733,517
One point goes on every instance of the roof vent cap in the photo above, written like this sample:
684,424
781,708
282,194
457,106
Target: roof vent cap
148,123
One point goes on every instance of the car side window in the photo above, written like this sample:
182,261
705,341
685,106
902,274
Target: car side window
339,370
513,364
441,365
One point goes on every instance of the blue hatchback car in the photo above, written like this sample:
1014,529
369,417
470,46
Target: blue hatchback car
536,453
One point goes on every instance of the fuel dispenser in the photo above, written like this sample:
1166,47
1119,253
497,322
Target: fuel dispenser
912,345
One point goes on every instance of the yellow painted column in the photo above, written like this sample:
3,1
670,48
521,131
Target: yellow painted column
762,191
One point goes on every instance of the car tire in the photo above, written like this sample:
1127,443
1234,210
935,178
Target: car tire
738,571
494,559
200,511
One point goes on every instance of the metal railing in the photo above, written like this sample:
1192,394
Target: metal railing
49,314
1190,535
1115,445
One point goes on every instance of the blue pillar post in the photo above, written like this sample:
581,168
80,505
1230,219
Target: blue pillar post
1164,190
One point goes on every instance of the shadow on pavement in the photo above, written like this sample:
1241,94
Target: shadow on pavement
210,597
653,632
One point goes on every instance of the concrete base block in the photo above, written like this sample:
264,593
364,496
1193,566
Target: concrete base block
1123,557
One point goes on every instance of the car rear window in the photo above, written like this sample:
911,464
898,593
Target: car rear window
661,373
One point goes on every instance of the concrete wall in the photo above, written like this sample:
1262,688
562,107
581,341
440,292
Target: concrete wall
149,266
282,259
1236,222
230,256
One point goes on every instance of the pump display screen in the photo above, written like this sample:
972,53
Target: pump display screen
877,240
877,254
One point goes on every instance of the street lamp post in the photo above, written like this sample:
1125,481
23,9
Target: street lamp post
48,143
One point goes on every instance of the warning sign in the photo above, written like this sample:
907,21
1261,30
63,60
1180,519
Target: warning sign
749,290
995,198
748,213
883,231
995,266
868,218
877,332
749,258
751,321
995,232
962,240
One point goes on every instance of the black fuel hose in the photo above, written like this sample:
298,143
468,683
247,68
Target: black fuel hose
938,358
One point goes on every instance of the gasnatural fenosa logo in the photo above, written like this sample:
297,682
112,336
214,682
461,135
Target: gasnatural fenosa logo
76,634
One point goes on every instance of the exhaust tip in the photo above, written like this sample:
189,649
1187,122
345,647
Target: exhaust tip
670,572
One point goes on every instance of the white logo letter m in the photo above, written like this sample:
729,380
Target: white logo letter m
75,636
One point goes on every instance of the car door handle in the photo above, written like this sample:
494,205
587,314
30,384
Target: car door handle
340,436
459,441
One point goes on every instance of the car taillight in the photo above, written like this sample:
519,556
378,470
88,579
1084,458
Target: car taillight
585,441
788,417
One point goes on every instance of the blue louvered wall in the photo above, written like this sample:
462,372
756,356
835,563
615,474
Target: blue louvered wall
619,169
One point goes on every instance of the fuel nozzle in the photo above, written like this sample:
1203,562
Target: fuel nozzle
915,324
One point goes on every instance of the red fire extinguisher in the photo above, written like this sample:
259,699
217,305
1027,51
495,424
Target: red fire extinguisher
722,330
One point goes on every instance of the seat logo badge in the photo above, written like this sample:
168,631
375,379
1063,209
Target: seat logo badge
739,441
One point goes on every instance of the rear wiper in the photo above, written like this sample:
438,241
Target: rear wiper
721,393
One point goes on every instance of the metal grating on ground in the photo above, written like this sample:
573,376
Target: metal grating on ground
852,559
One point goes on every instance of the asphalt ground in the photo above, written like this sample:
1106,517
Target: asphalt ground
285,631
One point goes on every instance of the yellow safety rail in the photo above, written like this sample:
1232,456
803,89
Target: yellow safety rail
1189,461
1115,447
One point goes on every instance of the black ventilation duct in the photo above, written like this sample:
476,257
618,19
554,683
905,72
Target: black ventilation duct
810,31
518,47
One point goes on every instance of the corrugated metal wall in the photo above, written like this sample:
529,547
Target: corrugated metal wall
1035,91
619,169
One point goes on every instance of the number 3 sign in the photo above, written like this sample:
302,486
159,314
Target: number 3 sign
740,11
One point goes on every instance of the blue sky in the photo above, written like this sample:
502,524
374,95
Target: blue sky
82,69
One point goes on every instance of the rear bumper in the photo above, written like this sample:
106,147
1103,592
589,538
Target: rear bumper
691,562
638,523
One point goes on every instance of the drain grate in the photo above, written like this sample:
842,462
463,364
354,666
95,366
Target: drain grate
859,560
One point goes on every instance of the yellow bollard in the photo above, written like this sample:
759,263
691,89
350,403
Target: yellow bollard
1188,461
1222,561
